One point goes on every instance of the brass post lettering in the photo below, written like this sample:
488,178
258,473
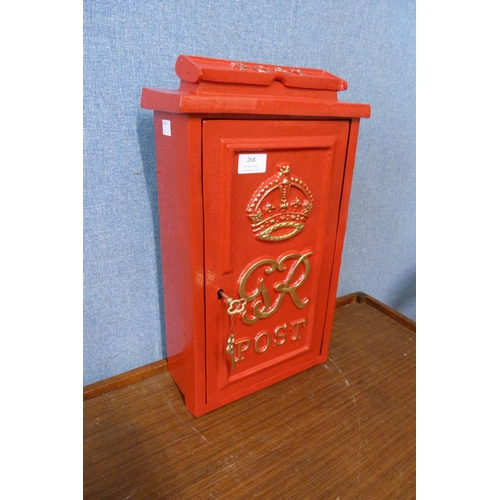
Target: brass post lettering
296,325
263,306
261,346
241,347
281,336
260,350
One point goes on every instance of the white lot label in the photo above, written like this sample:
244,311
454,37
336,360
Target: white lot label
252,164
166,127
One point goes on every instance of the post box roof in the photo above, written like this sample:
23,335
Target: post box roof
218,86
196,69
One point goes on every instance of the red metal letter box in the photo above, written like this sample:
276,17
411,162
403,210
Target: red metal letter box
254,168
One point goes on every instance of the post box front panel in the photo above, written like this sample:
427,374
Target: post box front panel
272,192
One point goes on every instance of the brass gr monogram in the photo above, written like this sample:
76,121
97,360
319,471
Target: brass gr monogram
262,306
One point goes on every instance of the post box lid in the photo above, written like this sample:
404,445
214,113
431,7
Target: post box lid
195,69
224,87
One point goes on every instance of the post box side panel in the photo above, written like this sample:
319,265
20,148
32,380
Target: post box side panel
272,191
178,160
341,229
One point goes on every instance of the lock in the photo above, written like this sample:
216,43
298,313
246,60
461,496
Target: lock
254,171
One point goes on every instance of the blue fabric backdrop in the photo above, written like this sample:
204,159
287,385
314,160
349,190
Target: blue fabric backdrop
129,45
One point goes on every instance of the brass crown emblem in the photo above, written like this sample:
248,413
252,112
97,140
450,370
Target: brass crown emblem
280,206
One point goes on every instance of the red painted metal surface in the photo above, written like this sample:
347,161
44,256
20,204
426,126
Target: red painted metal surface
197,69
254,168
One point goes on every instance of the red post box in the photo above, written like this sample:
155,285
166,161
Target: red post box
254,169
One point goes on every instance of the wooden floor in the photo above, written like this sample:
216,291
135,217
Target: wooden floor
338,431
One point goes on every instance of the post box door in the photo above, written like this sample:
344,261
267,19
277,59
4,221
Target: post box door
271,196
